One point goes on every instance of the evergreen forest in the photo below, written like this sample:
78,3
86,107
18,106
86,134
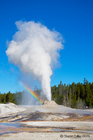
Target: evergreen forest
75,95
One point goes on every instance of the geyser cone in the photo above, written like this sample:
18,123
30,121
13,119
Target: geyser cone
50,103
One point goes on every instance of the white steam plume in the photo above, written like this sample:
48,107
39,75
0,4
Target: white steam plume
33,49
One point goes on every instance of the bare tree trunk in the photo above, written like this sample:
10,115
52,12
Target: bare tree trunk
67,98
70,97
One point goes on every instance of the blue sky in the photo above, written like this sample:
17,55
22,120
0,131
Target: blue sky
72,18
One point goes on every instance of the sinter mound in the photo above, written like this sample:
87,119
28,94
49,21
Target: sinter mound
50,103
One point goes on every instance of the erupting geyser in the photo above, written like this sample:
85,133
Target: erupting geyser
34,49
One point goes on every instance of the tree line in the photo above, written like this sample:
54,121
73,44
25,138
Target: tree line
11,97
75,95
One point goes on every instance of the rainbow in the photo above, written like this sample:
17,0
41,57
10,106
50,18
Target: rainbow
32,93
